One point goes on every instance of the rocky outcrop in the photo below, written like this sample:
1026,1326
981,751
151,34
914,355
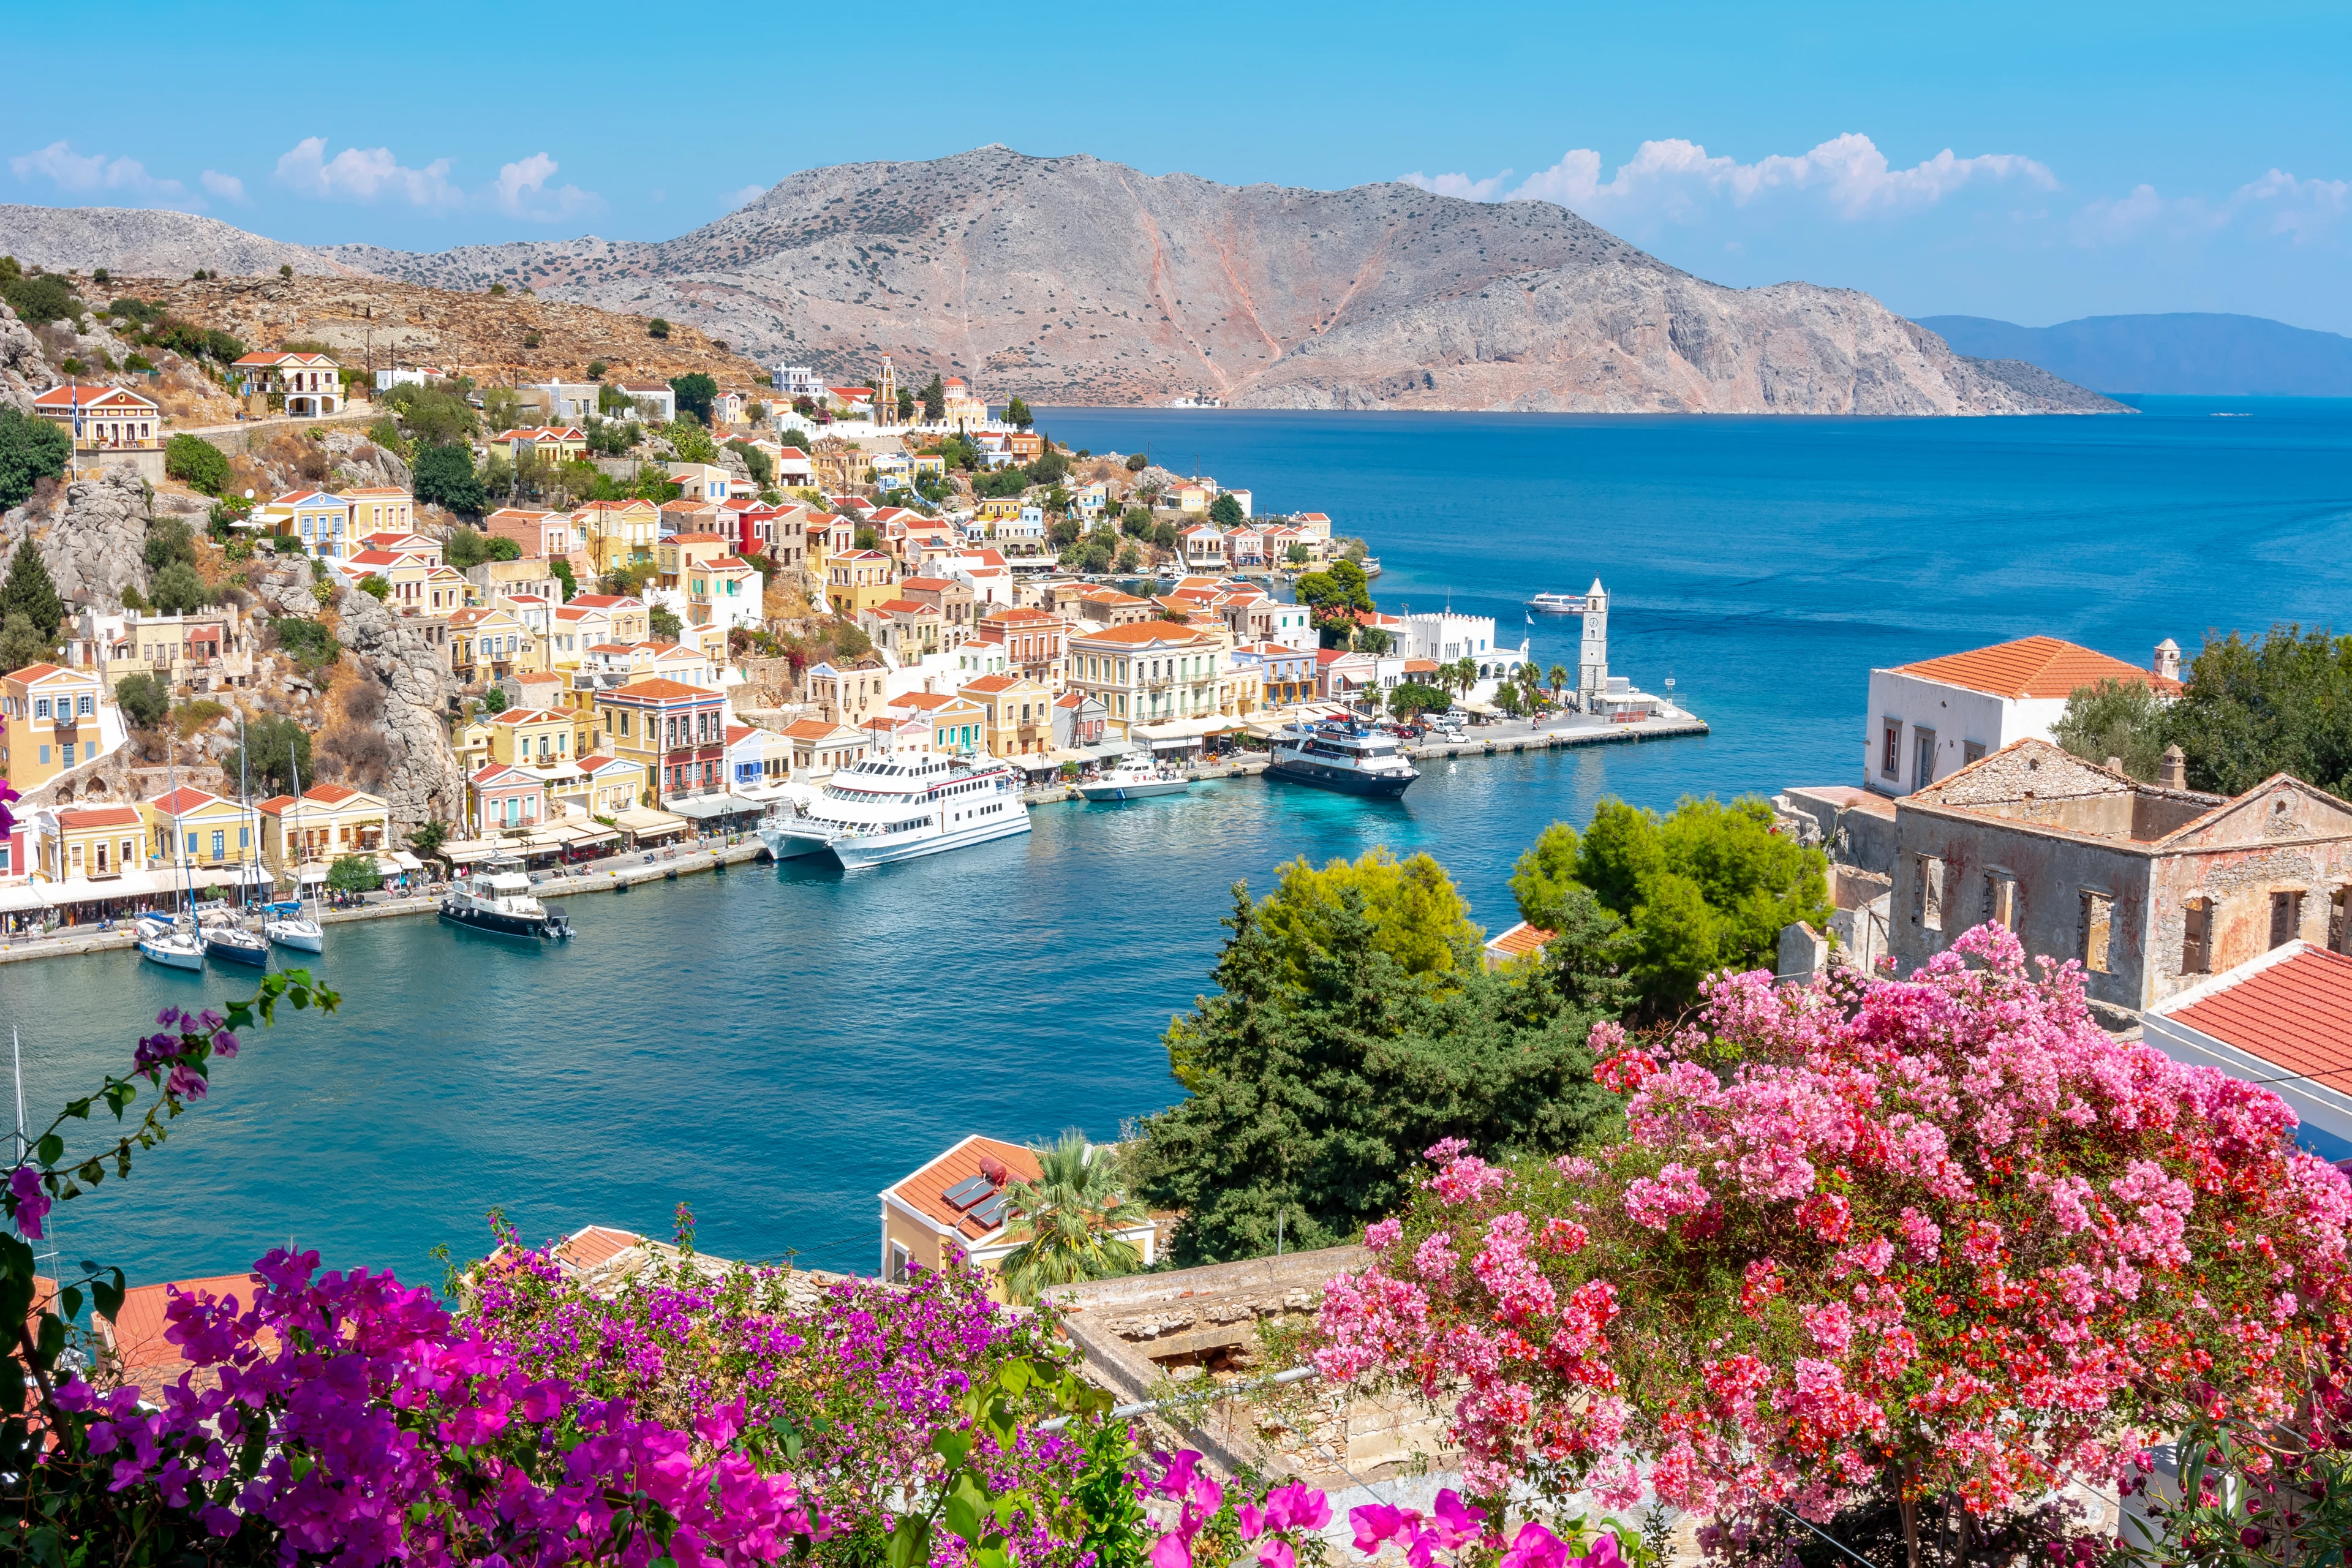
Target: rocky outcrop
23,368
95,545
414,768
141,240
360,462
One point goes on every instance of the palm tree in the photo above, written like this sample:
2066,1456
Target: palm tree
1068,1215
1559,678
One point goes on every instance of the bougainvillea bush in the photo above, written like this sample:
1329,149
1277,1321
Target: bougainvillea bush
1941,1237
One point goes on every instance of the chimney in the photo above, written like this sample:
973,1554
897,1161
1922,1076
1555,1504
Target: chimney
2166,665
2172,773
2114,765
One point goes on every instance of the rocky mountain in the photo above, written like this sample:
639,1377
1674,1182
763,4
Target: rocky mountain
137,239
1075,280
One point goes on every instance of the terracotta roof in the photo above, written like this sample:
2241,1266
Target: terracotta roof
2031,667
530,716
594,1244
656,689
2296,1011
923,701
607,601
76,816
374,492
990,685
329,793
1022,613
1518,941
809,729
32,672
697,538
905,607
927,585
135,1333
590,762
1142,632
185,799
924,1191
78,396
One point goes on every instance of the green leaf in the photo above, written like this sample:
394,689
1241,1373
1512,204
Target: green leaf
951,1446
51,1149
961,1518
69,1305
1015,1375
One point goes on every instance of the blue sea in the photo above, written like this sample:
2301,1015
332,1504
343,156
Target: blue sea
773,1046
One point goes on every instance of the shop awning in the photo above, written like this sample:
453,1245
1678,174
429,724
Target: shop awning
1110,750
252,874
17,901
405,861
94,890
711,807
466,851
582,838
643,821
310,872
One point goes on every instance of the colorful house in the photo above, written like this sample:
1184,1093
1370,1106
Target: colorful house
102,420
318,521
92,842
384,509
603,786
676,731
212,833
300,837
1017,714
956,1211
858,580
57,718
521,736
486,642
505,796
819,747
304,385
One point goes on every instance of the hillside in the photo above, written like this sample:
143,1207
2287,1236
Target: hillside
140,239
1075,280
2192,353
378,321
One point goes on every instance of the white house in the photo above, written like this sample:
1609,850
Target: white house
1449,638
2283,1020
797,381
1933,718
699,481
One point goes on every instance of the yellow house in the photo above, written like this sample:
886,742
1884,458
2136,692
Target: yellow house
857,580
487,641
626,617
383,509
318,521
958,723
89,841
1018,714
520,736
212,832
619,532
304,835
54,716
681,554
604,786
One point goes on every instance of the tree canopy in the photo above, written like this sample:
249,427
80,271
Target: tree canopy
1354,1026
1334,598
355,874
275,746
31,448
446,477
435,416
465,547
695,392
197,463
30,592
1016,414
144,698
1226,512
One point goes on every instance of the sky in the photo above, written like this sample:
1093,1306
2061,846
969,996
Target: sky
2032,162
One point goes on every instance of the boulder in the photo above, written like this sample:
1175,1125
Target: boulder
93,548
422,780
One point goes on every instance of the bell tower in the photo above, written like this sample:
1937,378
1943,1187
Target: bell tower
886,395
1592,655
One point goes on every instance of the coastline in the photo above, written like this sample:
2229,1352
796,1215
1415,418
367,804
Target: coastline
695,861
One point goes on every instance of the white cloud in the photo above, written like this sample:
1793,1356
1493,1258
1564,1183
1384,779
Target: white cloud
522,191
1675,178
2304,211
228,187
744,197
85,173
366,174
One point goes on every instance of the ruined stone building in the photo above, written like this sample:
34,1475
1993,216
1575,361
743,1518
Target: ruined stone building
2151,886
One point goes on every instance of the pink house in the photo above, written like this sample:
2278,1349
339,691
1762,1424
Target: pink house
508,796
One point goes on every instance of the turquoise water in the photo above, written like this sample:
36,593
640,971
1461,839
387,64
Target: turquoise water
775,1046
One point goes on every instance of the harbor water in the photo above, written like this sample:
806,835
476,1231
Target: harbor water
775,1045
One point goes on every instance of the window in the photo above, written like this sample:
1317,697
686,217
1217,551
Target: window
83,707
2339,915
1971,751
244,838
2093,931
1923,757
2196,937
1927,892
191,843
2000,899
2287,917
1889,758
40,707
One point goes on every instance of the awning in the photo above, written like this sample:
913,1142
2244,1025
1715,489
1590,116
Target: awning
640,821
251,874
1032,763
711,807
1485,709
17,901
1111,750
94,890
310,872
582,838
405,861
466,851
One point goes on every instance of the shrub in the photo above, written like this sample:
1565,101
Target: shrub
177,590
596,370
31,450
41,299
531,340
691,441
657,328
695,394
445,476
197,463
308,643
664,623
497,289
1136,462
375,587
494,701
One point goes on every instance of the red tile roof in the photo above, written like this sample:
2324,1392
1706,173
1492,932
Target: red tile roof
656,689
1142,632
135,1335
185,799
2296,1011
79,816
924,1192
78,396
2033,666
594,1244
1518,941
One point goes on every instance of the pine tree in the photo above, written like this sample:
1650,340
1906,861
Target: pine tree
30,593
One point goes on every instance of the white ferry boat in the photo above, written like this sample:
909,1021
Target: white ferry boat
1137,777
1338,755
1558,603
901,807
497,898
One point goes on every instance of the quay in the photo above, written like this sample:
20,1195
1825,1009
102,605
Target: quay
618,873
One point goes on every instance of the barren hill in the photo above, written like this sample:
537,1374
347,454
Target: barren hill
1075,280
379,321
139,240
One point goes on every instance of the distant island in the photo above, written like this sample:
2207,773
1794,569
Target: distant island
1075,280
2192,353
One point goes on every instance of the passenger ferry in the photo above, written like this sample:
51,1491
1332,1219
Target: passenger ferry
1138,777
901,807
1337,755
497,898
1556,604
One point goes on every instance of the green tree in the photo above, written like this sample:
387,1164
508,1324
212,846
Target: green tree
275,748
177,590
2116,719
695,394
1321,1068
1069,1217
31,450
427,837
197,463
355,874
664,623
1131,558
1226,512
168,544
1016,414
495,701
468,547
657,328
31,593
1409,698
763,472
144,698
375,587
435,416
2279,705
596,370
906,405
41,299
1706,888
561,569
1334,596
1374,640
21,643
1136,462
445,476
690,441
1164,535
935,400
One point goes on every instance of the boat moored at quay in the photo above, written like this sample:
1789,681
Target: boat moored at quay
497,898
901,807
1336,754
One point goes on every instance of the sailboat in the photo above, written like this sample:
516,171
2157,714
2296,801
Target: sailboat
176,945
295,928
229,942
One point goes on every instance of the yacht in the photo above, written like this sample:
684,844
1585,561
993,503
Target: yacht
1341,755
290,923
497,898
228,942
902,806
1137,777
174,946
1558,603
